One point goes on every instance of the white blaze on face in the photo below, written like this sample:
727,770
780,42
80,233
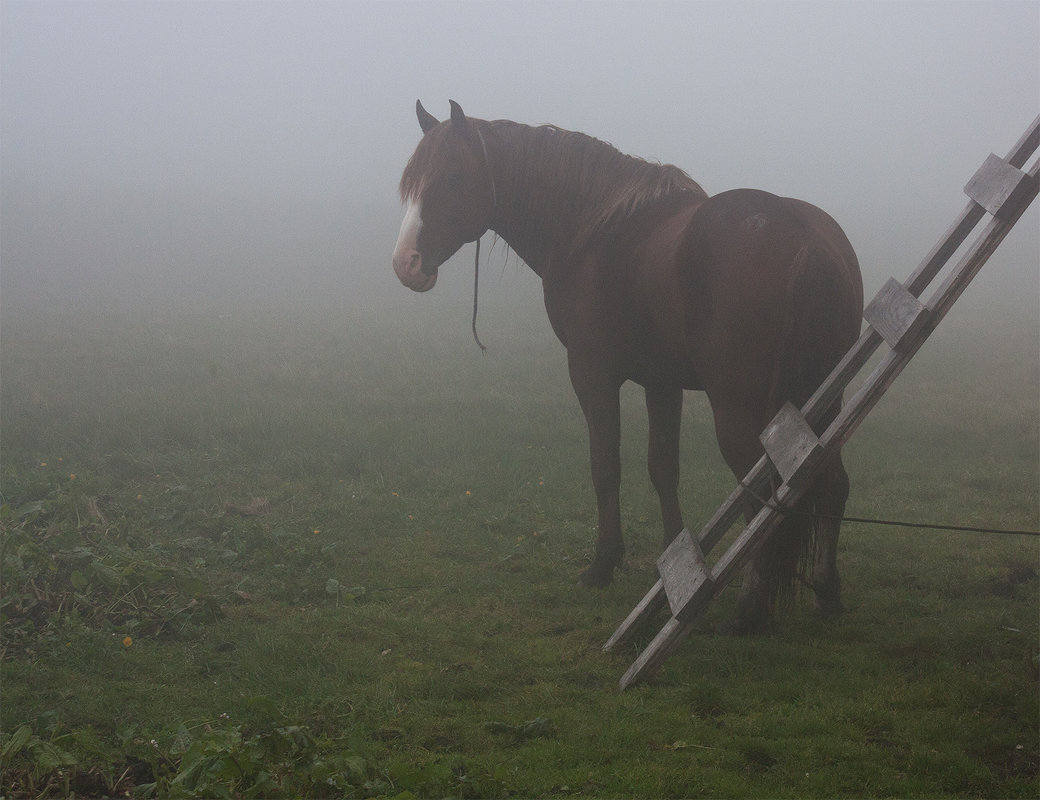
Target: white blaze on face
407,259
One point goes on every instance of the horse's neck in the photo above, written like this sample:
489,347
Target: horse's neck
555,195
529,227
528,216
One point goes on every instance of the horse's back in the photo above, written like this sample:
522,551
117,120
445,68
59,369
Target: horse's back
752,222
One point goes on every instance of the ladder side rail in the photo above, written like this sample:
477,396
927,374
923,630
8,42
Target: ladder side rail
888,370
724,518
849,367
757,478
993,234
751,539
656,653
645,609
937,257
722,573
830,390
1028,144
969,217
733,508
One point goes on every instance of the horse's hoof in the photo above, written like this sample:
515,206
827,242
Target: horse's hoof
594,578
827,598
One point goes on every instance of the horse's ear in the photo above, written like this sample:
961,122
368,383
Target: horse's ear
458,116
426,119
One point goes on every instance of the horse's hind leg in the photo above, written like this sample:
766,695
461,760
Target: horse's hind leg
827,498
832,491
664,411
736,431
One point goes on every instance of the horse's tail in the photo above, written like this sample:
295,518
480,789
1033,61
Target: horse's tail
822,325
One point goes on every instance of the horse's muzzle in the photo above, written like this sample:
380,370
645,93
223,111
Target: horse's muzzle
409,268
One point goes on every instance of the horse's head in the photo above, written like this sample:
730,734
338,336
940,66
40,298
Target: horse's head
449,193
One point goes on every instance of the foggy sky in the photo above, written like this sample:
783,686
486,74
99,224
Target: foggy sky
211,151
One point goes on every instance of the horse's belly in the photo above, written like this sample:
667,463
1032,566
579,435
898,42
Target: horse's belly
656,365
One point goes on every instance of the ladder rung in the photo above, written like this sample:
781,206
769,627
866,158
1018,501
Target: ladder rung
997,186
791,444
684,574
896,314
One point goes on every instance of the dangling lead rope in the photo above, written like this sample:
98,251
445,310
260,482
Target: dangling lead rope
476,281
476,260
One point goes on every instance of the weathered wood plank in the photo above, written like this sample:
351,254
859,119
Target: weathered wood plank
929,266
656,653
750,540
684,574
1026,145
733,508
997,186
896,314
790,443
889,368
640,615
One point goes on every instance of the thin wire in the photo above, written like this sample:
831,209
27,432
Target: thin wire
888,522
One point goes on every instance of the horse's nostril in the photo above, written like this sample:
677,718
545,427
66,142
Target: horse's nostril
407,264
409,269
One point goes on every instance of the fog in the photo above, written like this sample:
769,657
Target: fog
228,155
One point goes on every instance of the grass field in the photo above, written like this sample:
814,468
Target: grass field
304,553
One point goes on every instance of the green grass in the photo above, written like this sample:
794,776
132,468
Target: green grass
345,551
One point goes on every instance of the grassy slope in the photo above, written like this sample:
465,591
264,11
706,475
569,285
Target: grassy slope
391,528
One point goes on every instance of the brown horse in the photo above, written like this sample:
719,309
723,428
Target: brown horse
750,297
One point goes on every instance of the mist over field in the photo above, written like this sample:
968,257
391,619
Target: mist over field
229,155
161,161
271,525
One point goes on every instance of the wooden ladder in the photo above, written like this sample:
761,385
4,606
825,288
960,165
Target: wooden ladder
793,452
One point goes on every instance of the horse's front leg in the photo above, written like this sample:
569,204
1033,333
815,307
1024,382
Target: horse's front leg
664,411
600,402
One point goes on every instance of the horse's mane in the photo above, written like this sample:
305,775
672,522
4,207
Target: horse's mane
587,178
605,185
